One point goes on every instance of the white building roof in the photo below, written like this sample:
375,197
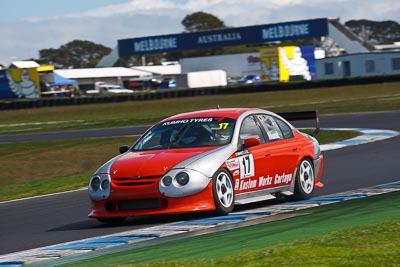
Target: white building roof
101,73
389,47
25,64
161,69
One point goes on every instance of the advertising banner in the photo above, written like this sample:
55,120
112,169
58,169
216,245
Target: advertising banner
21,83
296,63
269,64
5,91
224,37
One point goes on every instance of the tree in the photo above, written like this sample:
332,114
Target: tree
378,32
201,21
75,54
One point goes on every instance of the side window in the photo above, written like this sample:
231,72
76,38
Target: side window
328,68
271,127
250,128
396,63
369,66
286,130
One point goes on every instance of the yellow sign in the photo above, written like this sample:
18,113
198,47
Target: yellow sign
292,64
269,64
24,83
287,63
46,68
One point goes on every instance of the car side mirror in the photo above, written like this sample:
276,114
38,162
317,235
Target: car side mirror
123,149
251,141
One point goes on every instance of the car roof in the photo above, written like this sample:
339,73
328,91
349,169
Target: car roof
222,112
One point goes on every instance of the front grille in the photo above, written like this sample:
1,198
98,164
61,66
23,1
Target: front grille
146,180
140,204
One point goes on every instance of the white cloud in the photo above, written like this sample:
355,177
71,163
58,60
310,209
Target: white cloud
142,7
143,18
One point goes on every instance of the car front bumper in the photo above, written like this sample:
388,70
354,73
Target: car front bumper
121,205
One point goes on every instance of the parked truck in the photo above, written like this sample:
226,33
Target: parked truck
199,79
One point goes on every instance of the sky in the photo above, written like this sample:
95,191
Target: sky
28,26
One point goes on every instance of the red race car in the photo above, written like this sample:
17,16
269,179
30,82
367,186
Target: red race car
208,160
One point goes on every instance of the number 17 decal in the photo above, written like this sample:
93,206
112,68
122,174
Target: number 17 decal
246,166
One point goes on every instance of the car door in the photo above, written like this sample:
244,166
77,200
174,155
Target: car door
281,152
250,160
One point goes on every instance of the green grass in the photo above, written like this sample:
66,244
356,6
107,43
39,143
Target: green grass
362,232
326,137
44,186
36,168
373,97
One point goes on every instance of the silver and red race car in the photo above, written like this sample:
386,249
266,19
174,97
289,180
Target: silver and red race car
208,160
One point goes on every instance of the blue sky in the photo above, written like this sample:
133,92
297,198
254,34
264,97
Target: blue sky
27,26
18,9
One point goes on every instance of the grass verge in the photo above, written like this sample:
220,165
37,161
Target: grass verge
362,232
357,98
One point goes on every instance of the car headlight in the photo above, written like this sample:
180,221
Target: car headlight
180,183
167,180
182,178
105,184
99,187
95,183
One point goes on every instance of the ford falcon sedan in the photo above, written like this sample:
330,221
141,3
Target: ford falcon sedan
209,160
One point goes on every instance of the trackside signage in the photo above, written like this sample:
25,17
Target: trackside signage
290,30
155,44
225,37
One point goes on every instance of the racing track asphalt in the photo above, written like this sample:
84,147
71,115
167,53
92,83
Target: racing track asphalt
43,221
118,131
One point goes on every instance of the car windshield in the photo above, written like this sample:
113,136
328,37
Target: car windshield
184,133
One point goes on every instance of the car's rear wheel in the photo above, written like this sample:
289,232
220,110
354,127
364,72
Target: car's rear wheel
223,192
305,180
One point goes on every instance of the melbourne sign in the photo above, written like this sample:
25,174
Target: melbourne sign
155,44
224,37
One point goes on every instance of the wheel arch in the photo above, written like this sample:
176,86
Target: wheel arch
306,156
220,208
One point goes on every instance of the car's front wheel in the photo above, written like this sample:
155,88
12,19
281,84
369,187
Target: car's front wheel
305,180
223,192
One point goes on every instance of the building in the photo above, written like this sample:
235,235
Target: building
86,78
358,65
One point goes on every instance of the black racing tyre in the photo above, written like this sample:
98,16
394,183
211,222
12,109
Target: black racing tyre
115,220
223,192
305,180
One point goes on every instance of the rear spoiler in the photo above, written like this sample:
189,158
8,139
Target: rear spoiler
303,115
